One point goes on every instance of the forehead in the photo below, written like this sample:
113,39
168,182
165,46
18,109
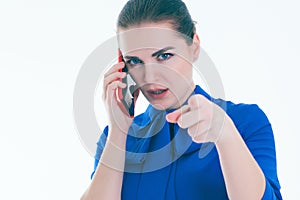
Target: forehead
149,36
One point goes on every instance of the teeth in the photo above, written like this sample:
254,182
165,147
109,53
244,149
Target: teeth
158,91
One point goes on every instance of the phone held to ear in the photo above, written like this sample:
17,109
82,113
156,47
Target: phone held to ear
129,94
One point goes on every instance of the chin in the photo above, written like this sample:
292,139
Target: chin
159,106
164,105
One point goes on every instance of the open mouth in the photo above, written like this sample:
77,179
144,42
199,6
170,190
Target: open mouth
157,93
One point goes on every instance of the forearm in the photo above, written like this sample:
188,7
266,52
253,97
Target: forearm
108,177
243,177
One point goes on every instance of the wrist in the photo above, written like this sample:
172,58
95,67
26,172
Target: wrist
113,156
227,133
117,138
119,127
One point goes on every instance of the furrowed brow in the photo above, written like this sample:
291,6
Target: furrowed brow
161,51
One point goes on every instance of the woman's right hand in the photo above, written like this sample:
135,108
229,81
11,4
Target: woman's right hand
119,120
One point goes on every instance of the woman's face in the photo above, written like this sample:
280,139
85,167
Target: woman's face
160,61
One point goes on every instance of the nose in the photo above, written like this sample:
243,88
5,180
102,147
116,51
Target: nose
150,73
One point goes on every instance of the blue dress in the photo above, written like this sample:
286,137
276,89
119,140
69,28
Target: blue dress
162,162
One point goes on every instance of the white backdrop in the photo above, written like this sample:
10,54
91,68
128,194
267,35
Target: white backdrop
254,45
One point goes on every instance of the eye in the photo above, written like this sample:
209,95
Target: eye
164,56
134,61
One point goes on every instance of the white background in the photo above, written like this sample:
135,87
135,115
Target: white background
254,44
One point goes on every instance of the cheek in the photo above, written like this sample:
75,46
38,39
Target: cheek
183,69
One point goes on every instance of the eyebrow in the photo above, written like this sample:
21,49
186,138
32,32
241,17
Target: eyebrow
154,54
162,50
131,57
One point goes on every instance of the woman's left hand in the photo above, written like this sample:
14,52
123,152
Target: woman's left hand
205,121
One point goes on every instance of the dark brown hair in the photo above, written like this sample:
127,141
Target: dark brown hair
136,12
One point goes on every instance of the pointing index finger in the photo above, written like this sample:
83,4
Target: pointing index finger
174,116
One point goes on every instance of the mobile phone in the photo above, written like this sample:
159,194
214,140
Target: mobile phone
127,95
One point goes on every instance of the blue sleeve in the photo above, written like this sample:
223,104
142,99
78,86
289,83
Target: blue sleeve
258,136
100,146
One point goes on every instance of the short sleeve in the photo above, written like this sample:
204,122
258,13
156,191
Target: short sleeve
100,146
258,135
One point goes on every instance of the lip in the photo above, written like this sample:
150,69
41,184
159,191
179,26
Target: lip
157,93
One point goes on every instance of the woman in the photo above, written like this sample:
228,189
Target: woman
156,154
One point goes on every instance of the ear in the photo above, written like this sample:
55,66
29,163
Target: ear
196,47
